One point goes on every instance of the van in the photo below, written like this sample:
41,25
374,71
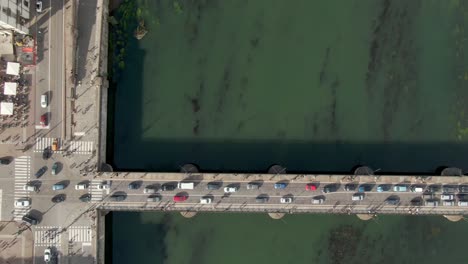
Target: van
44,101
357,197
185,185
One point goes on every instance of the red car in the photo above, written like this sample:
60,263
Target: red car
180,198
311,187
43,121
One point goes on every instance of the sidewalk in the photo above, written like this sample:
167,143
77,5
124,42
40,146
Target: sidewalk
16,243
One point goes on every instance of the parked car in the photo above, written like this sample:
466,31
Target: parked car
180,198
383,188
23,202
357,197
54,168
417,189
330,188
433,188
280,185
432,202
463,188
47,153
392,200
213,186
4,161
58,198
448,203
134,186
400,188
154,198
253,186
86,198
39,6
40,172
231,189
418,201
311,187
428,195
447,196
43,122
318,199
44,100
150,189
449,189
168,187
29,219
350,187
81,186
58,187
365,188
30,188
286,200
47,254
462,203
206,200
261,199
117,197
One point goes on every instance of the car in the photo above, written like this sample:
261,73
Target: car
286,200
150,189
4,161
392,200
428,195
54,168
168,187
134,186
55,144
23,202
383,188
47,254
213,186
43,121
280,185
30,188
318,199
47,153
311,187
357,197
418,201
40,172
117,197
417,189
261,199
104,185
39,6
448,203
365,188
58,198
154,198
206,200
58,187
434,188
462,203
463,188
330,188
432,202
350,187
44,100
81,186
231,189
400,188
86,198
449,189
179,198
253,186
446,196
29,219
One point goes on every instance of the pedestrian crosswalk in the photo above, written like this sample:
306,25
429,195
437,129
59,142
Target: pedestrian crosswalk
96,194
79,234
47,236
75,147
22,175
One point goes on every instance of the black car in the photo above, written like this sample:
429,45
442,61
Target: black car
450,189
85,198
41,172
350,187
261,199
117,198
365,188
434,188
47,153
168,187
463,188
4,161
30,219
134,186
213,186
418,201
330,188
392,200
58,198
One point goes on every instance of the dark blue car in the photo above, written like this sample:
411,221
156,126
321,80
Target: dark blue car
280,185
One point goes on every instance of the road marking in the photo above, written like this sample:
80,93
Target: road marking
22,174
81,147
42,143
79,233
96,194
47,238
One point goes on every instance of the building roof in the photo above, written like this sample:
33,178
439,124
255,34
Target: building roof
6,108
10,88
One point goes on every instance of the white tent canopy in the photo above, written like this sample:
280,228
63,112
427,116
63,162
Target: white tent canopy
6,108
13,68
10,88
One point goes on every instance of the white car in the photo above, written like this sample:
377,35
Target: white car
39,6
286,200
230,189
30,188
81,186
205,200
43,101
22,202
103,186
149,190
47,254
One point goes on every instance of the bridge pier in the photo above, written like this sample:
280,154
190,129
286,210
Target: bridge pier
454,218
188,214
276,216
365,217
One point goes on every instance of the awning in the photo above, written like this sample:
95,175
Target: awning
6,108
13,68
10,88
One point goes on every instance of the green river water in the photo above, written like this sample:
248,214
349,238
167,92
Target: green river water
239,85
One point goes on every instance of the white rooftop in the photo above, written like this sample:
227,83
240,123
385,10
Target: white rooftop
13,68
10,88
6,108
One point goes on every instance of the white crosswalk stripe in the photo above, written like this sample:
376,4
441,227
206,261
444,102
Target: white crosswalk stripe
76,147
96,194
47,237
42,143
81,147
79,233
22,174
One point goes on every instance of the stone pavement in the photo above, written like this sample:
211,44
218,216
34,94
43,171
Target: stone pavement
16,243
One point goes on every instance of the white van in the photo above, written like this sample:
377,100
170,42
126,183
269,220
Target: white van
185,185
44,101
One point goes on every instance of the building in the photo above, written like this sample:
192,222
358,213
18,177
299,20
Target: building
14,15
